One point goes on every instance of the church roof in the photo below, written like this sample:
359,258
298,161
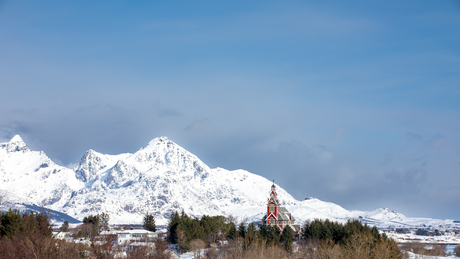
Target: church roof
283,209
284,215
272,199
268,216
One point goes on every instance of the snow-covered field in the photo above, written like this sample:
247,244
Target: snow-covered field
417,256
407,238
189,255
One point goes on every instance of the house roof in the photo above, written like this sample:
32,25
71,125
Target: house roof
130,231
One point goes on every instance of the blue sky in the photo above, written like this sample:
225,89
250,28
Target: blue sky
353,102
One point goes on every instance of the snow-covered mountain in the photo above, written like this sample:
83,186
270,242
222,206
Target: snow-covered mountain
32,177
159,178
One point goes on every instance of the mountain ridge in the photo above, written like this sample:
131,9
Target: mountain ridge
159,178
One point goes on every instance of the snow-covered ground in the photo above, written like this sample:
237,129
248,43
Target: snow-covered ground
417,256
407,238
189,255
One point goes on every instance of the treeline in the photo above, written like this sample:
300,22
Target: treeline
194,234
183,229
320,239
29,235
350,240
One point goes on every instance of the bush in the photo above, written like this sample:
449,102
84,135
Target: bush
457,251
424,249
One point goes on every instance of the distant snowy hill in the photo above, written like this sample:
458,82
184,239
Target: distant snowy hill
56,217
159,178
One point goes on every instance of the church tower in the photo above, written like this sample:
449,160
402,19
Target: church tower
277,215
273,208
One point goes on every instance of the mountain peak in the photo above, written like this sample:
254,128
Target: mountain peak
164,152
89,165
162,139
15,144
157,143
16,139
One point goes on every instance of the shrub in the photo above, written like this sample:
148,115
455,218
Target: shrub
457,251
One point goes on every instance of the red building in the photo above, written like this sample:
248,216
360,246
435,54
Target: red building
277,215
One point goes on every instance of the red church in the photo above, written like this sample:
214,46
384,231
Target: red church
277,215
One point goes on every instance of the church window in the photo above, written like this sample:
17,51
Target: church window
272,209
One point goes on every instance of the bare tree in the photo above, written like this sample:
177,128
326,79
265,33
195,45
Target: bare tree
182,240
102,246
231,219
196,245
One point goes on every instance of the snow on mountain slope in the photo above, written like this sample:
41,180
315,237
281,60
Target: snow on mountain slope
57,218
93,164
160,178
313,208
31,175
384,218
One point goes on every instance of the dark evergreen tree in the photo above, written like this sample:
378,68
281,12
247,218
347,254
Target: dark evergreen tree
349,234
91,225
263,232
251,234
10,223
232,231
273,235
287,238
242,230
91,219
173,223
149,223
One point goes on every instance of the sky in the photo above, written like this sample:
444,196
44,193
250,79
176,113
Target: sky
352,102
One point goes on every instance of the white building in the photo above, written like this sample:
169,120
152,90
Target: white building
132,235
